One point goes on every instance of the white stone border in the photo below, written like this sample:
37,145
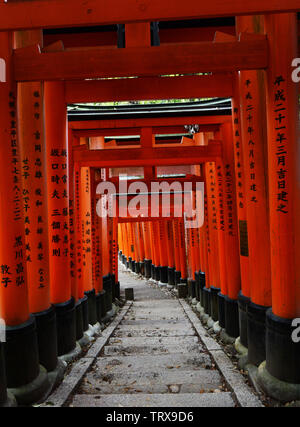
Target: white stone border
235,381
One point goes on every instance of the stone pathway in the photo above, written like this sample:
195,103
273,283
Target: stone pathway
154,358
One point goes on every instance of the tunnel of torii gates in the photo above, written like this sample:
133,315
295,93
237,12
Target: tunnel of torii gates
59,259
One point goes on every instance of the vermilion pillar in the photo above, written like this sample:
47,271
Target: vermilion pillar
147,245
34,182
175,224
231,234
21,347
244,296
87,243
162,240
58,215
254,140
282,353
171,255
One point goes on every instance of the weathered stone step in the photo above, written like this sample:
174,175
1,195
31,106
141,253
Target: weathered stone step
152,349
188,400
130,331
150,363
140,341
152,382
156,322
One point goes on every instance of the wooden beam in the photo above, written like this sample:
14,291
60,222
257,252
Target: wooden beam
64,13
181,58
148,156
145,88
89,133
114,125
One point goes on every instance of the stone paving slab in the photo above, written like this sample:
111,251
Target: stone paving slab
188,400
152,382
113,350
153,332
140,341
148,362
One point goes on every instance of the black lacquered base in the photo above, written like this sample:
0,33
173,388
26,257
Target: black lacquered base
113,286
214,303
124,260
120,255
197,288
47,338
221,307
256,327
118,291
129,263
202,282
148,265
157,273
85,313
142,268
137,268
207,298
91,296
243,303
21,354
231,317
107,287
101,312
79,320
177,277
193,289
171,276
66,326
3,392
163,274
282,353
133,266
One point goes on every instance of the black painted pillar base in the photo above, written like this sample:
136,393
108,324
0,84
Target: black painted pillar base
129,263
120,255
124,260
133,266
152,271
3,391
183,281
142,268
177,277
163,274
113,286
79,320
148,265
214,303
221,307
202,282
65,326
256,327
243,303
85,313
157,273
282,353
21,354
91,296
118,291
193,289
47,338
231,317
108,292
207,298
137,268
171,276
197,288
101,306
